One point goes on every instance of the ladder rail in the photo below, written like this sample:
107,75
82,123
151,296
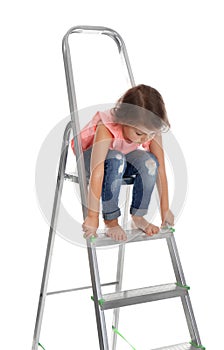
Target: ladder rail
120,269
51,237
96,285
72,94
94,272
75,124
186,302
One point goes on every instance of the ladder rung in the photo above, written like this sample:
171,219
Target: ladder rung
80,288
184,346
134,235
74,178
141,295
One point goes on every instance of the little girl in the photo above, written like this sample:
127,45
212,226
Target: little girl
121,142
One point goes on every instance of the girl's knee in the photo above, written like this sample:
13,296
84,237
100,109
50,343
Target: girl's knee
152,156
149,163
116,160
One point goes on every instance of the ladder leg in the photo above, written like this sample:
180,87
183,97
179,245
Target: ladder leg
186,302
51,238
97,294
120,269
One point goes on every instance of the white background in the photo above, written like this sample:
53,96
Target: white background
177,47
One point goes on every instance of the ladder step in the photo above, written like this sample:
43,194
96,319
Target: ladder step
73,177
134,235
184,346
141,295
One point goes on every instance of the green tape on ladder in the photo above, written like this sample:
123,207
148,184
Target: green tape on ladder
197,346
183,286
100,301
92,239
41,346
118,333
169,228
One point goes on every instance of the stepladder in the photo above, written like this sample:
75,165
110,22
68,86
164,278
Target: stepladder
119,298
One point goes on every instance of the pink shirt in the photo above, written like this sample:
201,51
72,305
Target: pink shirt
118,143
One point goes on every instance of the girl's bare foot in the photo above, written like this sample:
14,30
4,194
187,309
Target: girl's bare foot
144,225
114,230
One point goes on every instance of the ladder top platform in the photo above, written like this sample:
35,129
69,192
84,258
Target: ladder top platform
134,235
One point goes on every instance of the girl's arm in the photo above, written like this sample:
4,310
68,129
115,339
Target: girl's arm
156,148
101,144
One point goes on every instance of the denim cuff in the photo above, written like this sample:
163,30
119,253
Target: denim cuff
138,212
111,216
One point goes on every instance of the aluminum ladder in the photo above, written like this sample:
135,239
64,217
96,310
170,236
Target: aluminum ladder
119,298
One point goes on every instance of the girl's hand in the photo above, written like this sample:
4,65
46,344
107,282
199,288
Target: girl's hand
167,218
90,226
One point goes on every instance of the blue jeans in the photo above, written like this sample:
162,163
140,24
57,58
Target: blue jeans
142,164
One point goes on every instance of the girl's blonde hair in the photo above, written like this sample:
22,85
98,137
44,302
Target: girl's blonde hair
142,105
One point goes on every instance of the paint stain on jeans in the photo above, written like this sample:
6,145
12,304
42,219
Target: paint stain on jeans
151,166
121,167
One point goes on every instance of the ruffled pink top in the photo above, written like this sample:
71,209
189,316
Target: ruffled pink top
118,143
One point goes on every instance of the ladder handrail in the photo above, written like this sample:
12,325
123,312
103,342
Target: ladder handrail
103,31
72,95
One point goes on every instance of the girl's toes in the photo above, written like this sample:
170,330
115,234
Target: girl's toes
155,229
151,230
148,230
116,233
123,237
116,236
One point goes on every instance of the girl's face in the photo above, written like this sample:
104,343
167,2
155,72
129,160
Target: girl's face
139,136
